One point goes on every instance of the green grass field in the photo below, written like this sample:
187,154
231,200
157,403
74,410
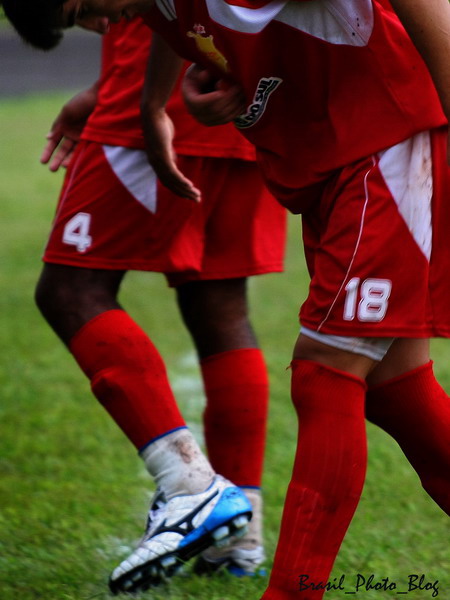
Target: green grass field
73,494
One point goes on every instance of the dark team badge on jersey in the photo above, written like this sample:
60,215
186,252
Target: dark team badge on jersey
254,112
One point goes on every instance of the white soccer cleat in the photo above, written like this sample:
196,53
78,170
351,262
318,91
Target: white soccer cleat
179,529
244,554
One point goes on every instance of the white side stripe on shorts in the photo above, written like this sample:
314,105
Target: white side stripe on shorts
134,171
407,171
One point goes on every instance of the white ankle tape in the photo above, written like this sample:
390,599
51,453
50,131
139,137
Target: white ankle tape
177,464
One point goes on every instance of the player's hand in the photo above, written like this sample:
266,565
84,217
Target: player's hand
209,100
66,129
158,133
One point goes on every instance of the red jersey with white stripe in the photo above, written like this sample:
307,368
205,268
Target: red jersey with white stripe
328,82
116,119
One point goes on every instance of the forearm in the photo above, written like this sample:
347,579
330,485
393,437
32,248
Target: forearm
94,89
428,24
85,101
163,69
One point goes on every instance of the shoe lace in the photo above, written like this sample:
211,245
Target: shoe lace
157,504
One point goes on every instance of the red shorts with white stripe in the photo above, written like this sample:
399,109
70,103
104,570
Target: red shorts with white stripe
113,214
378,245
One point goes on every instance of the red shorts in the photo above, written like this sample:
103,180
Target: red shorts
113,214
377,245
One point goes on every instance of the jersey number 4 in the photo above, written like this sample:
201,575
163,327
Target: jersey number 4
373,296
76,232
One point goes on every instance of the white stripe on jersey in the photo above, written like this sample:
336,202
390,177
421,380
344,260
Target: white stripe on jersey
167,7
244,20
407,171
348,22
132,168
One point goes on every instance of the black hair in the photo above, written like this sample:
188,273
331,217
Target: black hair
38,22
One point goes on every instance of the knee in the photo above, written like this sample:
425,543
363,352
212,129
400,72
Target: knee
68,297
62,286
215,312
215,297
57,289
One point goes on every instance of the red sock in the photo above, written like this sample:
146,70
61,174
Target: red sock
415,411
235,418
327,479
127,376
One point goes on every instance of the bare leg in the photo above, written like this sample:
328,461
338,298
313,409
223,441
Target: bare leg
404,355
69,297
216,314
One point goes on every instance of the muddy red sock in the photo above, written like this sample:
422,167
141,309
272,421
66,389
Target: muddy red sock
327,479
127,376
235,417
415,411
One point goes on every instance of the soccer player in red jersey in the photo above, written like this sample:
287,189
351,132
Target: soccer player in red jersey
113,215
351,133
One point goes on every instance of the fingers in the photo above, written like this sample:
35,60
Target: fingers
172,178
65,163
221,107
211,104
184,189
56,152
177,183
52,142
215,108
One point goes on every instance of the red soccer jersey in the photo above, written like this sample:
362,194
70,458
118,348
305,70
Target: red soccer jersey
327,82
116,119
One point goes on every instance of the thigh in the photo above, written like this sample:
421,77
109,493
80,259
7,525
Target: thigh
348,361
402,357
